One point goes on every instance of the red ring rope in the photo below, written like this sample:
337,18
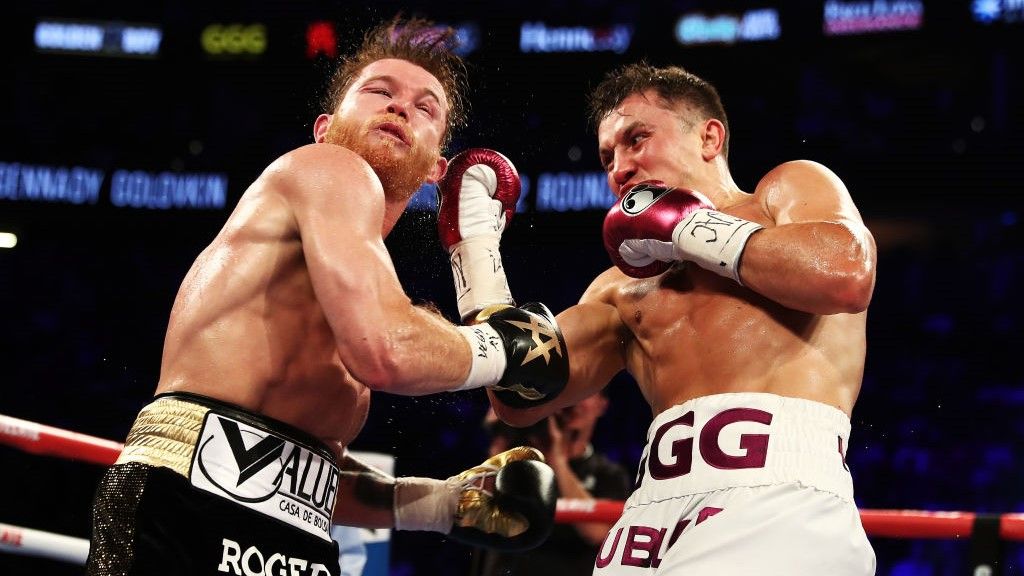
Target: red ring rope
50,441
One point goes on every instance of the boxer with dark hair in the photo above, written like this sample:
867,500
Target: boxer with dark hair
741,316
286,323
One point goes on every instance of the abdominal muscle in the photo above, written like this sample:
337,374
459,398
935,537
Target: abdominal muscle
697,334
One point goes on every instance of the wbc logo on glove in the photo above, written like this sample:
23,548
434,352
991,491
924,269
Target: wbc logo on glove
641,197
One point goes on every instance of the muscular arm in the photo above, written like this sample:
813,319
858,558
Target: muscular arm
365,496
819,257
595,337
383,340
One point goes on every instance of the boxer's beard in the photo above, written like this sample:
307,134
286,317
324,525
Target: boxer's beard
400,176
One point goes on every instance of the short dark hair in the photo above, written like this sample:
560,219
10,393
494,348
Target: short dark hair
673,84
415,40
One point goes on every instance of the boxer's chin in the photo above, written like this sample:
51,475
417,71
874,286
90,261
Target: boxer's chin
401,170
401,173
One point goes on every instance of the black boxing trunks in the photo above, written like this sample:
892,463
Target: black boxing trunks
206,488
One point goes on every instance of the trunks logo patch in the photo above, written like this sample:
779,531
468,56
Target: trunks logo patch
264,456
266,473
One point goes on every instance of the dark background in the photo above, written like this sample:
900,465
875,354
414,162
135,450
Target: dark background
925,128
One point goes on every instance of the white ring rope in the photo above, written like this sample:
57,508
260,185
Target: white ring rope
40,544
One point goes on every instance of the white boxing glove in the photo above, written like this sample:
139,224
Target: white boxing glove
476,200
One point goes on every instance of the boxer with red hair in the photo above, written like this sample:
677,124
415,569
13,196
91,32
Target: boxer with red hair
285,325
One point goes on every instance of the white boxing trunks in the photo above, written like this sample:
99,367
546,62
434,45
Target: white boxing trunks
738,484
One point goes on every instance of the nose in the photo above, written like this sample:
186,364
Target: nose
399,108
622,170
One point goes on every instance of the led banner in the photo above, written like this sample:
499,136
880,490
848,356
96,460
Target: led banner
539,37
872,16
234,40
321,39
750,26
81,185
468,36
573,191
98,38
988,11
555,192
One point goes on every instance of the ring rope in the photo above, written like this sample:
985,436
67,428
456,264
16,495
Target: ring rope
50,441
882,523
40,544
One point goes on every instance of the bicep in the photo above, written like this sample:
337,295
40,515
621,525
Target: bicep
352,274
339,216
810,205
595,341
818,257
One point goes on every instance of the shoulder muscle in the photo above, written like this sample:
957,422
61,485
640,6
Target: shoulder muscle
804,190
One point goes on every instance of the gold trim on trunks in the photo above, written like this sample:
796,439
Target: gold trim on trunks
165,434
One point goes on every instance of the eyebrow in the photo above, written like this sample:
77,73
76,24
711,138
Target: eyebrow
626,130
392,80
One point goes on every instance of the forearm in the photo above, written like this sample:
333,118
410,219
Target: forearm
816,267
365,496
400,348
428,354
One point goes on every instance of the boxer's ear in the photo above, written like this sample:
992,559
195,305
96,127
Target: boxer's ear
438,170
713,139
320,126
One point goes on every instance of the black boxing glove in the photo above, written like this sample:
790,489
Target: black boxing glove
653,225
505,503
519,353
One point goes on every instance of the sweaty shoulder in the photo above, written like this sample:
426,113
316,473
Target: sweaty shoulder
604,288
797,182
322,167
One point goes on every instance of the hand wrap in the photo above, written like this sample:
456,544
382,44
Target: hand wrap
507,502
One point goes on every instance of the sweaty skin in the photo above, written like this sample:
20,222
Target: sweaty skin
294,310
795,328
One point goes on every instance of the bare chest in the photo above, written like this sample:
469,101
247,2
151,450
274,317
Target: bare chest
695,333
684,304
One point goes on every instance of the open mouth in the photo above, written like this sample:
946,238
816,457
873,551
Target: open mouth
393,130
629,186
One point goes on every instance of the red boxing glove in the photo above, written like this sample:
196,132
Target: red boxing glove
477,196
476,200
648,213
